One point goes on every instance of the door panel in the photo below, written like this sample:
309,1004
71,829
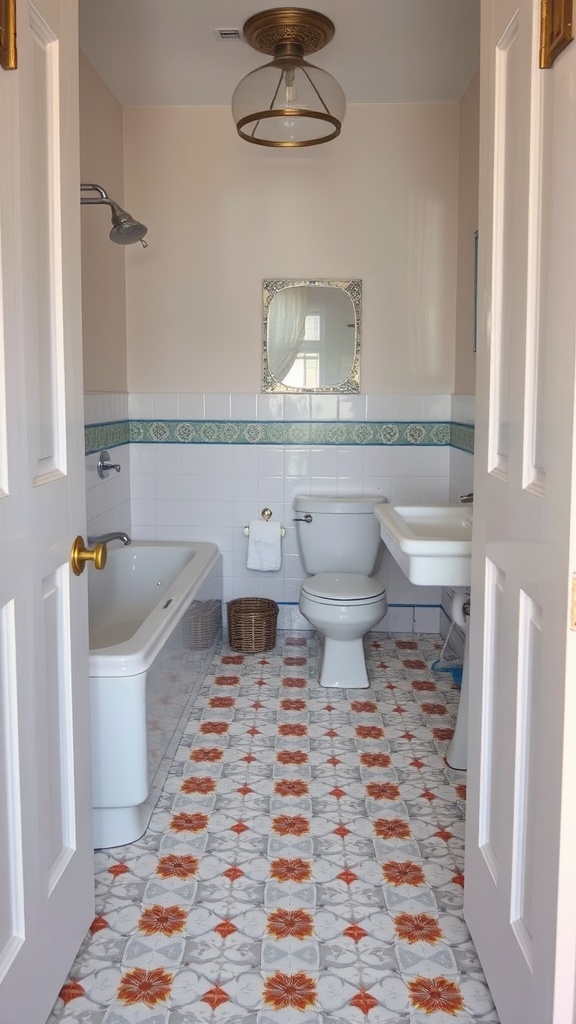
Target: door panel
57,751
490,819
507,141
46,890
524,825
12,875
521,831
45,263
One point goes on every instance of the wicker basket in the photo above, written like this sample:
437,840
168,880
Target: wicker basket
252,624
201,624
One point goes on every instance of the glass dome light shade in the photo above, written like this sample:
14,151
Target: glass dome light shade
288,103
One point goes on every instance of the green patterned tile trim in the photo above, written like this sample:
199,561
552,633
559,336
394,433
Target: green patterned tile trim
287,433
462,436
99,436
110,435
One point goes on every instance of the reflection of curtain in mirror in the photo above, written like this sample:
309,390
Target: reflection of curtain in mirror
286,328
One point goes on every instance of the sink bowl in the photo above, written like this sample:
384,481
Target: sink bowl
432,544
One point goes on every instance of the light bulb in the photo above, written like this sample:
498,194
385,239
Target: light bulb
290,90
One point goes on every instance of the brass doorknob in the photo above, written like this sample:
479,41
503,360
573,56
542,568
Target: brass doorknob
80,554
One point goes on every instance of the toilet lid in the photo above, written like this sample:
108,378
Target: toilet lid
343,586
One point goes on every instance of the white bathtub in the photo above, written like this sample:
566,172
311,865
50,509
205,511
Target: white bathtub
148,646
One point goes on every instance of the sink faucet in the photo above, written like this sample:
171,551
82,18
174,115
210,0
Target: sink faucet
467,499
104,538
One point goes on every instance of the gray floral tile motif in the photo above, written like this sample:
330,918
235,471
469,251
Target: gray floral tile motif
429,434
304,863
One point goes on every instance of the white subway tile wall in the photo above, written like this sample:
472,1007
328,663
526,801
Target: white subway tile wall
461,474
106,408
463,408
210,492
108,501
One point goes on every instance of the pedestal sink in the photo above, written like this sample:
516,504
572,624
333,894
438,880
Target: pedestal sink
432,544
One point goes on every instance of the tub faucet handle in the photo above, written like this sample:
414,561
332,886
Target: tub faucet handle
467,499
105,467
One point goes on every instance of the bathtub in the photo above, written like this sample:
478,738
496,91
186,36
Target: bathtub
154,615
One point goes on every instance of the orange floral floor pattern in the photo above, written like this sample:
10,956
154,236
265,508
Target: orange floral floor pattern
304,863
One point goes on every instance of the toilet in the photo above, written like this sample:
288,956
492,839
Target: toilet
340,546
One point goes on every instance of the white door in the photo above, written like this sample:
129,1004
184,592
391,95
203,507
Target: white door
520,896
46,876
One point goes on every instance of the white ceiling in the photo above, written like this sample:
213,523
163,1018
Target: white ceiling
166,52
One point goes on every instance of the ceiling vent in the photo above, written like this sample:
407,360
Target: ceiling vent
227,34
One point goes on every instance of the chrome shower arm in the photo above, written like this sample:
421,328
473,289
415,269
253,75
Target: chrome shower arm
92,199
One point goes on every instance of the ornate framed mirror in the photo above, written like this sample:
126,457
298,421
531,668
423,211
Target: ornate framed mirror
311,336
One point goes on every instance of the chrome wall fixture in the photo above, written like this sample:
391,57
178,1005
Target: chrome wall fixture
125,230
288,103
105,466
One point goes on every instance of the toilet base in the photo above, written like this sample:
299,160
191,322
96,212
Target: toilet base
341,664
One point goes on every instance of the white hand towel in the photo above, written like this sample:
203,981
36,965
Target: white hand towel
264,545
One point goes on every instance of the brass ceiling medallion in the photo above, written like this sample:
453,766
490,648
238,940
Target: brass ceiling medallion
288,103
264,31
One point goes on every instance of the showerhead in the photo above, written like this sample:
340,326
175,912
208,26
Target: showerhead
125,230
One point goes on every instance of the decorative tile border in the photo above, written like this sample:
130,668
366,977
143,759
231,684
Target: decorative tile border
419,434
98,436
462,436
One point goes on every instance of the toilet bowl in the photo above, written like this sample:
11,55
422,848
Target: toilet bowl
342,605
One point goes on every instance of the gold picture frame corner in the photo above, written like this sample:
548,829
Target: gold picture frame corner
8,52
555,29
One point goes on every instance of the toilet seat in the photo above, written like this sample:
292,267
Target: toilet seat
343,588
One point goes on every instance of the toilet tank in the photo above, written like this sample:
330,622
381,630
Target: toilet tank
342,535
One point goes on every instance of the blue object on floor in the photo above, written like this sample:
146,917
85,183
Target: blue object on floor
454,670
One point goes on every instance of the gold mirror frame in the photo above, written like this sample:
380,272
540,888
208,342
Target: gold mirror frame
351,383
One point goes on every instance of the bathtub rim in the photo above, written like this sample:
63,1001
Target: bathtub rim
135,655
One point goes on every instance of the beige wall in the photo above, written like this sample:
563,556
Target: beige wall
103,262
468,159
393,201
380,203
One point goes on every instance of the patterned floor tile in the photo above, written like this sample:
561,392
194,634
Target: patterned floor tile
304,862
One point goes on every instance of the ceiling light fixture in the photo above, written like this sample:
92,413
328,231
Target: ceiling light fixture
288,103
